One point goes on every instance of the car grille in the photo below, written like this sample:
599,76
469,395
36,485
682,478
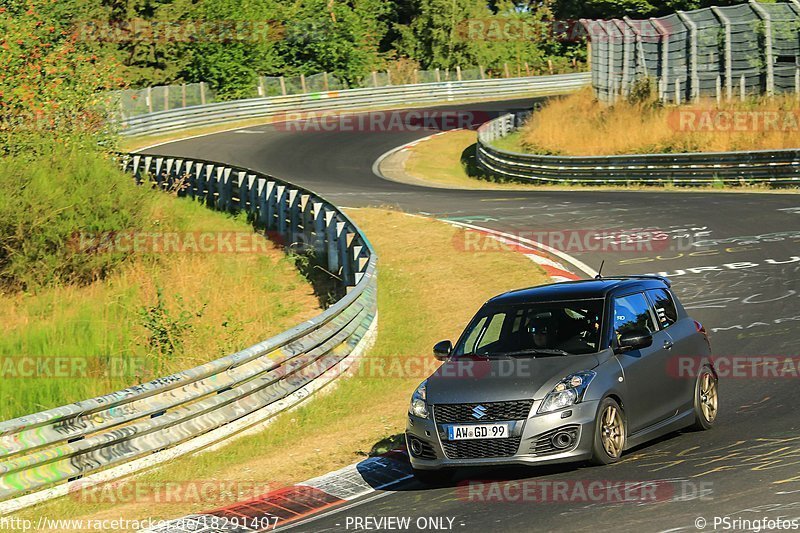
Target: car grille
481,449
496,411
543,445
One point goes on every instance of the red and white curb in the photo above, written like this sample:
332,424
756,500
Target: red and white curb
552,261
303,500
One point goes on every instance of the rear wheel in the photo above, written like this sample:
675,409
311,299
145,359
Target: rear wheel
706,399
434,477
609,433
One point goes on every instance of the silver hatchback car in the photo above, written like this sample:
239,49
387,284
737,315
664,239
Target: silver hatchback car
564,372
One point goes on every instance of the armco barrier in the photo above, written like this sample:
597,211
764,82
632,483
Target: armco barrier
391,96
769,166
44,455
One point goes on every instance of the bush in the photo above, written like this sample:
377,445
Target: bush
48,201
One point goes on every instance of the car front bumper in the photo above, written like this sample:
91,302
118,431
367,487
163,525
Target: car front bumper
534,433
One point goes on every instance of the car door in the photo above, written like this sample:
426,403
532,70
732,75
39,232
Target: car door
649,388
686,352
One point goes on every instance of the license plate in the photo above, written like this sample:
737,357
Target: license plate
477,431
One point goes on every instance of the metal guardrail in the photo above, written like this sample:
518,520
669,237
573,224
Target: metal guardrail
391,96
99,439
767,166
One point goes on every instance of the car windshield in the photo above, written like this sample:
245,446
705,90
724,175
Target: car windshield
534,329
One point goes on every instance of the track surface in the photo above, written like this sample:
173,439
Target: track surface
747,467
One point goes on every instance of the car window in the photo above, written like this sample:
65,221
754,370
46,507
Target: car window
664,307
632,312
571,326
491,334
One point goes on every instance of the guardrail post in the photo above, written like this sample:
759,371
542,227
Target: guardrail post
263,192
293,202
252,197
226,190
344,239
332,241
282,197
319,228
242,193
271,197
307,220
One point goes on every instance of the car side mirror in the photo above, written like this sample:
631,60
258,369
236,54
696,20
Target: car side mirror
442,350
634,340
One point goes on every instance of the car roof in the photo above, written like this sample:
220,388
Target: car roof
578,290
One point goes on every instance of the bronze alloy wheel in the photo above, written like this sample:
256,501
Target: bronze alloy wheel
708,397
612,431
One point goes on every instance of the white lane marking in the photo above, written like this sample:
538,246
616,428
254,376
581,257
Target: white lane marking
376,166
580,265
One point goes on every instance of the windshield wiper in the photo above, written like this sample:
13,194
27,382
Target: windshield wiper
535,351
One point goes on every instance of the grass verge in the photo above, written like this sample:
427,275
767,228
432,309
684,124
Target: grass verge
578,124
419,304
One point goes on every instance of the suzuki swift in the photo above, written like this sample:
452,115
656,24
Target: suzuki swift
565,372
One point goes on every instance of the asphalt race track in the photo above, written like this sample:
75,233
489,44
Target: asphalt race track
734,260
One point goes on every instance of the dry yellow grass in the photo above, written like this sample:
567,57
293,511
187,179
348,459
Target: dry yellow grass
580,125
419,304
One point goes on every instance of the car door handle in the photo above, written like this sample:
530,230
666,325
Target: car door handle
668,345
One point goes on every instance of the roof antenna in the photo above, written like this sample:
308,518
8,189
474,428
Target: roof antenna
600,272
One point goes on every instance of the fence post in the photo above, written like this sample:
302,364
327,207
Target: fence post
262,91
719,90
303,83
374,79
166,97
506,70
283,86
664,74
527,69
149,98
458,72
483,74
726,23
183,95
768,50
743,87
438,75
325,83
693,75
416,76
203,93
797,83
388,77
677,91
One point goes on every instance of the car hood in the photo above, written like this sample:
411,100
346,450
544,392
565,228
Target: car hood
477,380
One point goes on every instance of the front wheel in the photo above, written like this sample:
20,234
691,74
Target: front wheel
706,399
609,433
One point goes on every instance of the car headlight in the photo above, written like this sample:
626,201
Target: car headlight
568,391
419,407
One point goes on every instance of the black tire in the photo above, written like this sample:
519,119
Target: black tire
703,419
600,456
434,478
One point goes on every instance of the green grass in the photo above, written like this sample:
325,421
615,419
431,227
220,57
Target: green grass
211,304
